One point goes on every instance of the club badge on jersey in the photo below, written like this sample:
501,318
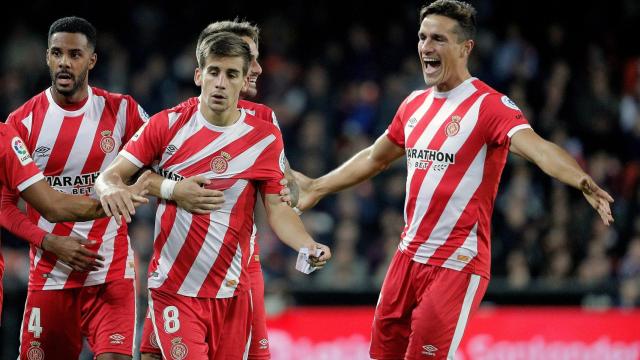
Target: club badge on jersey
107,143
35,352
179,350
453,127
220,163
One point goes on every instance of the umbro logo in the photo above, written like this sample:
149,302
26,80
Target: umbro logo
42,151
429,350
171,149
264,343
412,122
117,339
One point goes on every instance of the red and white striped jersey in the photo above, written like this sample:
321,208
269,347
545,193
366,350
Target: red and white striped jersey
18,171
71,147
206,255
456,145
260,111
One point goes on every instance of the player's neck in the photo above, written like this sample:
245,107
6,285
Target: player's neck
74,100
222,119
454,81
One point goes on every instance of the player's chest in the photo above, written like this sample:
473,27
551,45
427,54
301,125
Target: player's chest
71,142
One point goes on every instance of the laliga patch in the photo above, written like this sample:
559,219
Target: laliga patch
282,161
21,151
509,103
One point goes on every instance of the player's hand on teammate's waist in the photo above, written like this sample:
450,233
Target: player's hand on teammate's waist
195,195
73,252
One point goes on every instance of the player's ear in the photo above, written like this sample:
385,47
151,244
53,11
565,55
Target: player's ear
197,77
93,60
467,47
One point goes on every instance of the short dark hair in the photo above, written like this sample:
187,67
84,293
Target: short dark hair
463,12
235,26
74,24
224,44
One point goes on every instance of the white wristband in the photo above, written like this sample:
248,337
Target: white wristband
166,189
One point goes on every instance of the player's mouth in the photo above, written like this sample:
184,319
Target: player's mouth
64,79
218,97
253,80
431,64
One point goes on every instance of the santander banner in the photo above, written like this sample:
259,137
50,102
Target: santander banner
513,333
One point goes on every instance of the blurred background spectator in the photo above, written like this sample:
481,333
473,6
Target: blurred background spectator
334,77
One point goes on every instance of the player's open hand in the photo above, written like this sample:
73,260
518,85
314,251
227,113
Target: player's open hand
319,261
599,199
140,188
119,201
307,197
73,252
191,196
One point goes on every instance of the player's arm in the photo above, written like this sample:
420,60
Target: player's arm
362,166
68,249
117,198
556,162
189,194
289,228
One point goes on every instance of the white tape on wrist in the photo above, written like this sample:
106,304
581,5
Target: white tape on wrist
166,189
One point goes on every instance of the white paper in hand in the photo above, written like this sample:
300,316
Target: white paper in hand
302,264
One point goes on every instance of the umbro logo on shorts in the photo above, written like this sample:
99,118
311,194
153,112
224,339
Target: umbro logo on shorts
429,350
116,339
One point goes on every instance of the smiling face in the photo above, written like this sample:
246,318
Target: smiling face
443,55
69,57
251,90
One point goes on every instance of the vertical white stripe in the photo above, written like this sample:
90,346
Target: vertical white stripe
457,203
451,145
119,131
155,327
233,273
107,250
135,317
51,124
468,250
210,249
171,247
245,356
28,122
464,315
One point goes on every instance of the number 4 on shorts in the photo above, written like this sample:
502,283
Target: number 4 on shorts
33,326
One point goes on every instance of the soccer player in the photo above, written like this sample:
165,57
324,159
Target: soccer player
259,347
198,277
455,135
19,173
74,131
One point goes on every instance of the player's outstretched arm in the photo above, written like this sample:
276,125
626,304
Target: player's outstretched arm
556,162
117,198
189,194
56,206
362,166
289,228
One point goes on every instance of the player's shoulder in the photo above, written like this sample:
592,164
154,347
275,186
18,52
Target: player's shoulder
259,122
112,96
417,96
258,110
493,99
36,102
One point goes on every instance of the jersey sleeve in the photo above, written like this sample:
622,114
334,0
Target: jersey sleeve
136,118
395,131
500,119
17,222
270,165
147,143
18,171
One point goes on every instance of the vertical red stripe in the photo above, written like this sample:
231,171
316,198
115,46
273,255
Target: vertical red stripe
120,254
167,220
77,277
241,213
436,142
